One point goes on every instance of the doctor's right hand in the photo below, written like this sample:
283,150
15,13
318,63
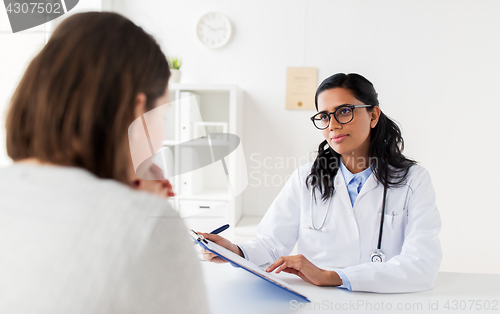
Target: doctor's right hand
225,243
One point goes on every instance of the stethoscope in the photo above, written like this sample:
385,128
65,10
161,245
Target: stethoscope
376,256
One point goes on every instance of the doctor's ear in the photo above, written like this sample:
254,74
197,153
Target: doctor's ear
374,116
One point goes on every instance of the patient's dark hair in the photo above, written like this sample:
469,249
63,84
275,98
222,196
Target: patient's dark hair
76,100
386,142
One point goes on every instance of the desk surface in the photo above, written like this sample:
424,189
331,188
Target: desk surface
234,290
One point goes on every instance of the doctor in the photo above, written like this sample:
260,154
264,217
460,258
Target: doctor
363,215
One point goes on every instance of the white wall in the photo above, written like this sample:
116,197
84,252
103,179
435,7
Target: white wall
433,63
17,50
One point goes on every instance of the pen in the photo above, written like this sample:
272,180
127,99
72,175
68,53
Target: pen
220,229
216,231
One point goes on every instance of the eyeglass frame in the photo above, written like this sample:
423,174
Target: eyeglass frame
352,107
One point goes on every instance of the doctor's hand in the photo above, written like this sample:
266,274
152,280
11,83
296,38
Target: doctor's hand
302,267
211,257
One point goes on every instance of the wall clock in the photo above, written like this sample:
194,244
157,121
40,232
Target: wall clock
214,30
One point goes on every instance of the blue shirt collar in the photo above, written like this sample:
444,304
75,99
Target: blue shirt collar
348,176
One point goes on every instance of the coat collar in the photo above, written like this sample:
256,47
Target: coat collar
369,185
348,175
341,188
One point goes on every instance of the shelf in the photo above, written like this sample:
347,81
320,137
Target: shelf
213,142
209,194
203,87
197,104
170,143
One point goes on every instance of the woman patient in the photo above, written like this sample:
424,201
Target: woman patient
76,234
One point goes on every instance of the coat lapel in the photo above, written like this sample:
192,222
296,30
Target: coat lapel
341,189
369,185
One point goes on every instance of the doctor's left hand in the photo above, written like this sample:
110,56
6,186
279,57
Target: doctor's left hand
302,267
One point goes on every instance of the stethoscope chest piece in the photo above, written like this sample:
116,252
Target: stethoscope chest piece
377,256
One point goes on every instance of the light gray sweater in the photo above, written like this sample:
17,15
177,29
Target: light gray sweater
73,243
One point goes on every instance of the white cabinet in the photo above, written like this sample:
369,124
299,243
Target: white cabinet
205,196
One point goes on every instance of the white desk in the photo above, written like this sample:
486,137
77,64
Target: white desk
234,290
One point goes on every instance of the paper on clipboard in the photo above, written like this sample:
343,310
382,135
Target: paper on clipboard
243,263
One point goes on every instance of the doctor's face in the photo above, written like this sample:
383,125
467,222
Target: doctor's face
353,138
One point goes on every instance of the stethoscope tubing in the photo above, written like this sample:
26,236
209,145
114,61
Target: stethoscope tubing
381,228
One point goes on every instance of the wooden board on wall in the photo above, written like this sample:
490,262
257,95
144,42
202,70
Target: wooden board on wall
301,86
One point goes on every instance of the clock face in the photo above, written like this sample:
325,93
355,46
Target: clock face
214,30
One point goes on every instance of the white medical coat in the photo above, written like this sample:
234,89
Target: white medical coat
350,233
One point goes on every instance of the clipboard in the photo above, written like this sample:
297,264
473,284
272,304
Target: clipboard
238,261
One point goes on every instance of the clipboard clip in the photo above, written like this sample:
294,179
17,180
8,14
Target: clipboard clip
197,237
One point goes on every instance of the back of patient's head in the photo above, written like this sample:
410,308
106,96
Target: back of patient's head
77,97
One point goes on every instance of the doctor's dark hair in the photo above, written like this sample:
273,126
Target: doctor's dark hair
386,143
76,100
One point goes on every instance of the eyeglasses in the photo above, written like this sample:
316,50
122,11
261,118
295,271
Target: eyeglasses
343,114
